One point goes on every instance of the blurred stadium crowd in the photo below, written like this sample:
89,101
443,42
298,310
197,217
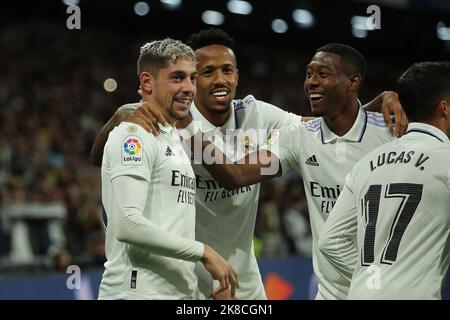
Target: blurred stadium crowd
52,104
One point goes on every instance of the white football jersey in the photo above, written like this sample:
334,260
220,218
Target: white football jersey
323,159
226,219
132,272
398,207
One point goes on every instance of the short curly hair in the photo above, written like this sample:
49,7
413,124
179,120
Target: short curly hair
211,36
353,59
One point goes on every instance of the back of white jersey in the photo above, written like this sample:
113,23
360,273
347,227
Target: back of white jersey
402,194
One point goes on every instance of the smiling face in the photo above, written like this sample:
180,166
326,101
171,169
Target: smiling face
217,78
174,88
326,84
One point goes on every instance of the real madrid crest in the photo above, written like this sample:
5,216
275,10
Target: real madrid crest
131,129
247,144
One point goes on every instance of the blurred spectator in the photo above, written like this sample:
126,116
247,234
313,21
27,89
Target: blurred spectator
295,219
269,228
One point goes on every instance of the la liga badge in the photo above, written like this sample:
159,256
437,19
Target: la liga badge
132,151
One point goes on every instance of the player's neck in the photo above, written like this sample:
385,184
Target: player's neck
217,119
169,118
441,124
343,121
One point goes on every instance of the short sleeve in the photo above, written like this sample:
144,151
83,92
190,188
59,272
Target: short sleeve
284,144
274,117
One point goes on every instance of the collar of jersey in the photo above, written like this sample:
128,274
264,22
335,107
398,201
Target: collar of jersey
206,125
355,134
165,129
428,129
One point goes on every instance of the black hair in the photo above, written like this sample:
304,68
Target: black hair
209,37
421,87
353,59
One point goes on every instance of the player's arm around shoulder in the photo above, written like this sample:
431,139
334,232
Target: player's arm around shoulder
279,154
250,169
287,145
120,115
255,167
387,103
272,117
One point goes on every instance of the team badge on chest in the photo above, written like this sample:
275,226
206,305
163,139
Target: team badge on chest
247,144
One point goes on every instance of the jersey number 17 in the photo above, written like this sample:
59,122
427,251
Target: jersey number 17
411,194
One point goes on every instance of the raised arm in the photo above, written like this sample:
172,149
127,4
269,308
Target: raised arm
255,167
388,103
100,140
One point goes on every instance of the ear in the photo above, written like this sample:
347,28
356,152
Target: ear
146,81
354,82
237,76
443,109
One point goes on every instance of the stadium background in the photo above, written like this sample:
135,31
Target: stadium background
59,86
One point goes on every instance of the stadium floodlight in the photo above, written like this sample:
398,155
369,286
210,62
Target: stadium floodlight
213,17
360,26
239,7
71,2
141,8
279,26
171,4
359,33
362,23
110,85
303,18
442,31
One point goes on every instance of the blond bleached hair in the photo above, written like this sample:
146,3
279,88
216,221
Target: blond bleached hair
158,54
